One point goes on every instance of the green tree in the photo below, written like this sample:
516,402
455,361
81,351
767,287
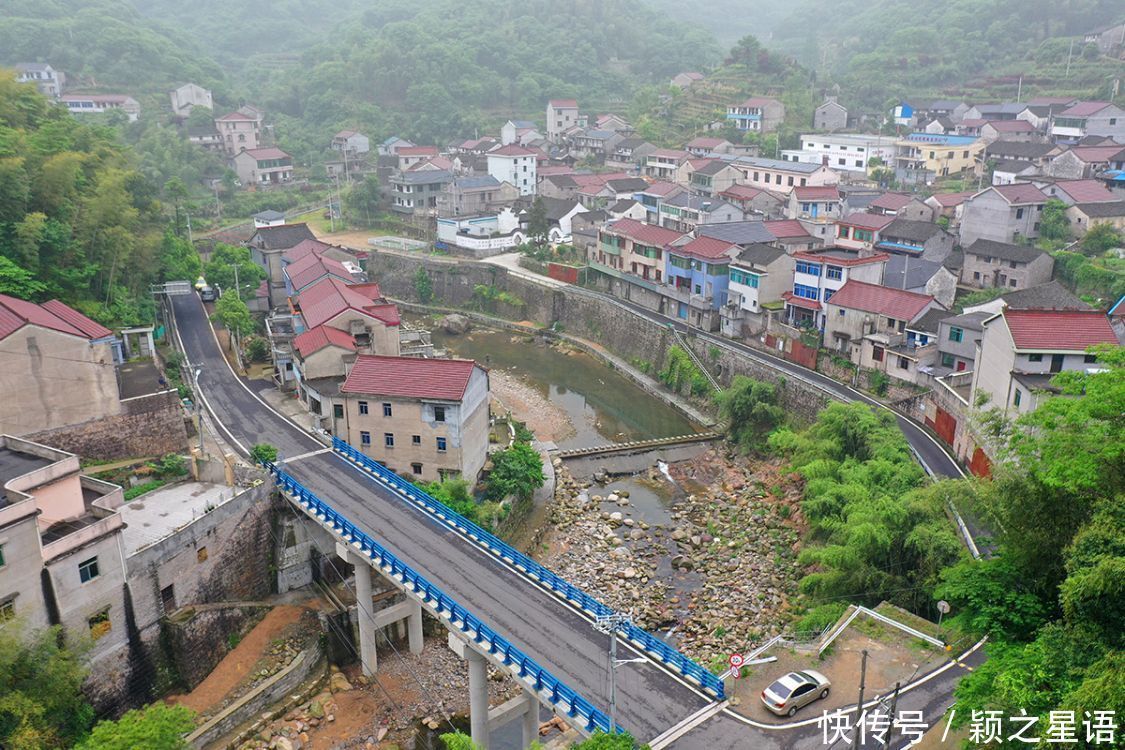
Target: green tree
178,259
516,471
751,410
158,726
1100,238
537,223
1054,227
362,201
18,282
257,349
602,741
458,741
456,495
234,315
41,700
423,287
220,270
263,453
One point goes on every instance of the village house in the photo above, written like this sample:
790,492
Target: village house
902,206
713,178
240,130
627,208
635,248
409,156
793,234
684,80
518,132
1085,161
989,263
860,231
819,274
598,191
684,212
267,245
867,323
654,195
705,145
391,146
1010,171
263,167
927,156
424,417
59,367
782,176
47,80
759,275
562,115
311,268
96,104
1110,38
830,116
957,340
481,236
923,277
844,152
995,111
696,278
1021,350
662,163
1004,213
416,191
948,206
1089,118
61,559
1009,130
816,204
1038,154
759,114
1084,216
351,144
516,166
474,195
187,97
916,239
1076,191
629,154
594,144
753,201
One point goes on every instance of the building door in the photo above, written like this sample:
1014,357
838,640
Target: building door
681,311
1057,362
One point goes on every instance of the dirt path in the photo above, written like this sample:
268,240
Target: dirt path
356,239
236,665
529,406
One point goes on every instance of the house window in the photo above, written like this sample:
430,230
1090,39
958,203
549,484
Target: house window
903,363
834,272
1035,358
439,413
2,563
1019,213
859,162
807,292
365,438
1012,283
362,407
1089,359
956,334
946,359
168,597
841,312
876,352
338,411
891,323
88,569
100,624
1017,397
441,445
388,440
812,269
976,275
416,469
828,294
1012,264
802,182
386,410
415,439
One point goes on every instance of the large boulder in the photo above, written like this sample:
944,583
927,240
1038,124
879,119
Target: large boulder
455,323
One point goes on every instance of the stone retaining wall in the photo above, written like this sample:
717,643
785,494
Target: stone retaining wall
150,425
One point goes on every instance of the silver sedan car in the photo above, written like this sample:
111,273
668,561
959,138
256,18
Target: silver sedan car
795,690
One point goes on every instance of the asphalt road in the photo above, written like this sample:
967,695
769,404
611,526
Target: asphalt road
561,639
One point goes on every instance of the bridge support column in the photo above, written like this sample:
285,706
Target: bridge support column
478,697
368,658
414,624
531,719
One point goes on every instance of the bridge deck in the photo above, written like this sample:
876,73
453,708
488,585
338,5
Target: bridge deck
560,638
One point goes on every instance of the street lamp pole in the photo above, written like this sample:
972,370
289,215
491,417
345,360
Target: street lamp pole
610,624
198,404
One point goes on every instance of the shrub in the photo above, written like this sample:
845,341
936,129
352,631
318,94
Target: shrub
258,349
263,453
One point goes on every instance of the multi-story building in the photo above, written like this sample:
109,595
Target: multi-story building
240,130
418,191
759,114
633,247
1022,350
562,115
516,166
187,97
662,163
844,152
49,81
782,176
96,104
989,263
937,155
267,246
867,322
819,274
713,178
425,417
474,195
860,231
696,275
1004,213
1089,118
684,212
759,275
817,204
957,340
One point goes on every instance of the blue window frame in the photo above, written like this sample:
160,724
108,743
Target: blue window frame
365,438
807,292
441,444
813,269
88,569
834,272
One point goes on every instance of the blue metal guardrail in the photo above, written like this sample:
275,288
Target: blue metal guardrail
541,575
545,684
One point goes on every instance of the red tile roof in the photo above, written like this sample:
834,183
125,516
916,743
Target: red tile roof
785,229
1084,109
1020,192
409,377
840,257
1097,154
1011,126
663,188
563,103
303,248
646,234
233,116
327,298
315,266
881,300
758,101
316,339
266,153
561,169
417,151
1059,330
817,193
796,301
706,248
16,313
949,200
437,162
1086,191
706,142
891,201
511,150
865,220
669,153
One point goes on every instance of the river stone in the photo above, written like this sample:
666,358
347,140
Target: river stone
613,497
629,522
629,573
455,323
620,552
615,517
679,535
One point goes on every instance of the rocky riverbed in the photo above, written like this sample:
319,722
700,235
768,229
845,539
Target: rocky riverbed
720,571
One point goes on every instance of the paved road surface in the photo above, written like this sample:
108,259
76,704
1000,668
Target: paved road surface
650,700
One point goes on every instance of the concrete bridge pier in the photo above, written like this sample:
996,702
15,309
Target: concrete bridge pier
478,697
484,720
368,658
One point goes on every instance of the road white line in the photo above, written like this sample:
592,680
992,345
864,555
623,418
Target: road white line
691,722
304,455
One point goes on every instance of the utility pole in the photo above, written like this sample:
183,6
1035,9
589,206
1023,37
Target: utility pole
890,726
610,624
862,680
1068,56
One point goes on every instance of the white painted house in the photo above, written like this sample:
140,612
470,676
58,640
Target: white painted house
514,165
